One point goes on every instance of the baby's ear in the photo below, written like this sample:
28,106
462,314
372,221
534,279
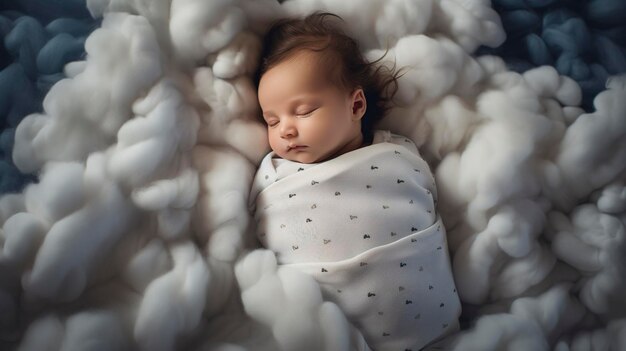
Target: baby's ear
359,104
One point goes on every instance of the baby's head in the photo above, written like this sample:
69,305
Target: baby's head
320,98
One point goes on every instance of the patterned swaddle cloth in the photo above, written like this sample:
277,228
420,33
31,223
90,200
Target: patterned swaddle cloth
364,226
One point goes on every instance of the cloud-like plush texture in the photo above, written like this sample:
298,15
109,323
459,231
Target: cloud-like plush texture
137,234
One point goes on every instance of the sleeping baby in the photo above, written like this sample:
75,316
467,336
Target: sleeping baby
352,206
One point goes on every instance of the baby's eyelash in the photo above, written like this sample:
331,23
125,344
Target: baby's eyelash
273,124
308,113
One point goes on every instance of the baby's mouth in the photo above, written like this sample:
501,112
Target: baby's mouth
296,147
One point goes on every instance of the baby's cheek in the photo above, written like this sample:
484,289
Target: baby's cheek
278,148
319,130
272,139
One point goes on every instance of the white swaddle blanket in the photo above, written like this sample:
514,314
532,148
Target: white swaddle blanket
364,226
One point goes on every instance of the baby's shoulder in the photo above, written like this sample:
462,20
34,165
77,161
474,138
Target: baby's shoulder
386,136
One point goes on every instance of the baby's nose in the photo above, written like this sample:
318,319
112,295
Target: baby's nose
288,130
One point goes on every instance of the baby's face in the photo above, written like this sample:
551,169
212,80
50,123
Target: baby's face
308,119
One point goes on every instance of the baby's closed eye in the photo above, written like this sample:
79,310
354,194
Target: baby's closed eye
305,113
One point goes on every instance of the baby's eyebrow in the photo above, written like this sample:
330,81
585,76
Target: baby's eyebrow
269,114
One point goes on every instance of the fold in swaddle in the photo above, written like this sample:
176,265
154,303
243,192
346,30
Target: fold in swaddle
364,226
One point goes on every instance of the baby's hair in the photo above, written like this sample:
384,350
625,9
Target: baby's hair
340,54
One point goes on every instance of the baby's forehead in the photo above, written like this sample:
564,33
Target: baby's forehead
301,74
321,68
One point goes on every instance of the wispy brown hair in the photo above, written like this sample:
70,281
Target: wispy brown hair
340,54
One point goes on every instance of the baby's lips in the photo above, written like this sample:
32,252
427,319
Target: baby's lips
293,146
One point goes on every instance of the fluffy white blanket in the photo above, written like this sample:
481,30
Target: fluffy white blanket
364,224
